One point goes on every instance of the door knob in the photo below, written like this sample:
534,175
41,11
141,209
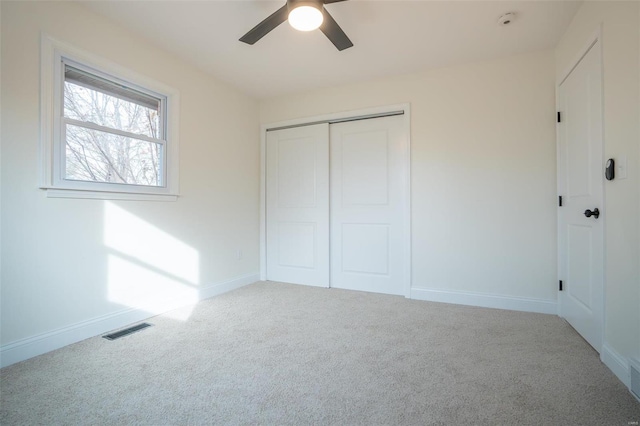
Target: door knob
595,213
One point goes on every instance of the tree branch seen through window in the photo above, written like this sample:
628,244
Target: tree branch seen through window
111,140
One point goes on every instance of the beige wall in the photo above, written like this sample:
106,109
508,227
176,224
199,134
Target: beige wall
483,165
66,261
620,25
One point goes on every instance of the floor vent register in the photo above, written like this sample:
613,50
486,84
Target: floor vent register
126,331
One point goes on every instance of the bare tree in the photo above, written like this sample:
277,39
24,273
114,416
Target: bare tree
101,156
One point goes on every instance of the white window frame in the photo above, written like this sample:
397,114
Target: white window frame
54,55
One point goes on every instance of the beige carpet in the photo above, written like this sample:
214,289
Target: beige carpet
282,354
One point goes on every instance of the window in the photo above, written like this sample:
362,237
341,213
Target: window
113,133
107,133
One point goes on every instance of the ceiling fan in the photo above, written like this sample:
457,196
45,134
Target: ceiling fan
303,15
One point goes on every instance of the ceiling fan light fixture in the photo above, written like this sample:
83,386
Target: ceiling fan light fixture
305,17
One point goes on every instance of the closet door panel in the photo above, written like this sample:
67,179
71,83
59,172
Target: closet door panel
367,198
297,198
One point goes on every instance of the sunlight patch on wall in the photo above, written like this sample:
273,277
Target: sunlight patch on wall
149,269
136,286
132,236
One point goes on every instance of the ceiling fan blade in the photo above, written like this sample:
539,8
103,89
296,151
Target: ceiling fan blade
331,1
334,33
264,27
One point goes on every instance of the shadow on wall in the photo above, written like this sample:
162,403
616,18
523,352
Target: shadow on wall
148,269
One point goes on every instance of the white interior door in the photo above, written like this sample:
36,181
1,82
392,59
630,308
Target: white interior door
297,205
367,201
580,176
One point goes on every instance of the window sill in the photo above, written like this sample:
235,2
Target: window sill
104,195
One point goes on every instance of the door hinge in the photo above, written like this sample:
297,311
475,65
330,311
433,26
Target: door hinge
559,117
560,200
560,285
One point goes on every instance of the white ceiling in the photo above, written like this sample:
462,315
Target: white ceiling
390,38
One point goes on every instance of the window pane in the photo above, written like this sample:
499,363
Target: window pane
84,104
97,156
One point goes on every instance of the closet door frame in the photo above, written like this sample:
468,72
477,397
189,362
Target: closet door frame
336,117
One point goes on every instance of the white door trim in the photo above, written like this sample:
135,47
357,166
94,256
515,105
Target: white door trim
406,172
593,39
590,44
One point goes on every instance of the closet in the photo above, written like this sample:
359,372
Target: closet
337,205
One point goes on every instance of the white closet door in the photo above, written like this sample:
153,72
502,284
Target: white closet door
367,200
298,205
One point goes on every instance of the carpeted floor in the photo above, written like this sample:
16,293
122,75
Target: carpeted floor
275,353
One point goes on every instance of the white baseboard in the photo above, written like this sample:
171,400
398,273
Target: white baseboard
227,286
616,363
634,384
304,284
486,300
37,345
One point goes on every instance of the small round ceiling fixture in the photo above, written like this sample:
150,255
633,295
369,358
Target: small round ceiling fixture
306,17
506,19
